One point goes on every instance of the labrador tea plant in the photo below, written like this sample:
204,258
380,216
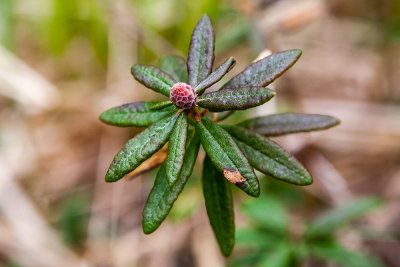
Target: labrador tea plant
190,118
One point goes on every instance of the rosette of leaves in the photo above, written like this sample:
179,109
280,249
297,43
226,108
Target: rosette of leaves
191,119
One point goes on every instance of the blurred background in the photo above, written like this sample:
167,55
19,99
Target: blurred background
64,62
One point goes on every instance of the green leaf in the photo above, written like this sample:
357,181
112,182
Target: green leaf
162,196
227,157
269,158
201,51
280,256
176,148
219,205
337,254
140,148
285,123
256,239
235,99
216,75
161,105
176,67
267,213
153,78
133,114
266,70
336,218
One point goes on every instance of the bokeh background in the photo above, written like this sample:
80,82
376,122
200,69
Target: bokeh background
64,62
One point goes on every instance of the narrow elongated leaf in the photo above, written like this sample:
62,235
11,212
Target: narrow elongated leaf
201,51
337,254
269,158
219,205
153,78
235,99
227,157
161,105
336,218
176,67
266,70
162,196
176,148
216,75
268,214
286,123
140,148
280,256
133,114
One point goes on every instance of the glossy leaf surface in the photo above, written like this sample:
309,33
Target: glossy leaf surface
176,67
269,158
227,157
201,51
153,78
286,123
162,196
235,99
266,70
216,75
133,114
176,149
219,205
140,148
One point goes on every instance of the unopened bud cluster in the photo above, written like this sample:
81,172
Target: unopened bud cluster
183,96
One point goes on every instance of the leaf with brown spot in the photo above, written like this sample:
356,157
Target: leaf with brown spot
226,155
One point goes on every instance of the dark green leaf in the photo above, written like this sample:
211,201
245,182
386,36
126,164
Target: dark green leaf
337,254
266,70
285,123
162,196
267,213
176,149
176,67
216,75
201,51
140,148
227,157
269,158
235,99
219,205
153,78
161,105
280,256
332,220
133,114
